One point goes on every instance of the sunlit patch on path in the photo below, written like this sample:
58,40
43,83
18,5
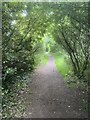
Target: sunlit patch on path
49,96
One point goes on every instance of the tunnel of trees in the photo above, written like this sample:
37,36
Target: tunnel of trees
25,27
25,24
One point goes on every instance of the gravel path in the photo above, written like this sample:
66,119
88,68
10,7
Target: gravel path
48,96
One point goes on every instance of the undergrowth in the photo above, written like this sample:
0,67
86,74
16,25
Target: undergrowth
62,65
65,69
12,102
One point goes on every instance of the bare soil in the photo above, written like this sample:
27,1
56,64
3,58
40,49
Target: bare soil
47,95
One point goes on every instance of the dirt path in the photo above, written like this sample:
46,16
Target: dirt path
50,98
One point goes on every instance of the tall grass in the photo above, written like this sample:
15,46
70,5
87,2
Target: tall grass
62,64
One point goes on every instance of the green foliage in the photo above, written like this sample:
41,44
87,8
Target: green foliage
24,28
44,59
72,33
13,104
62,65
41,59
22,37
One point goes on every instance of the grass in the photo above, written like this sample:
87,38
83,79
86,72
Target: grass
71,81
66,71
41,59
63,67
44,59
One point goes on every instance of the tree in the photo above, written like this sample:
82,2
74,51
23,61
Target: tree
24,25
72,34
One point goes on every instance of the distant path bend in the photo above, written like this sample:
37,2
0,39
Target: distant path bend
50,97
